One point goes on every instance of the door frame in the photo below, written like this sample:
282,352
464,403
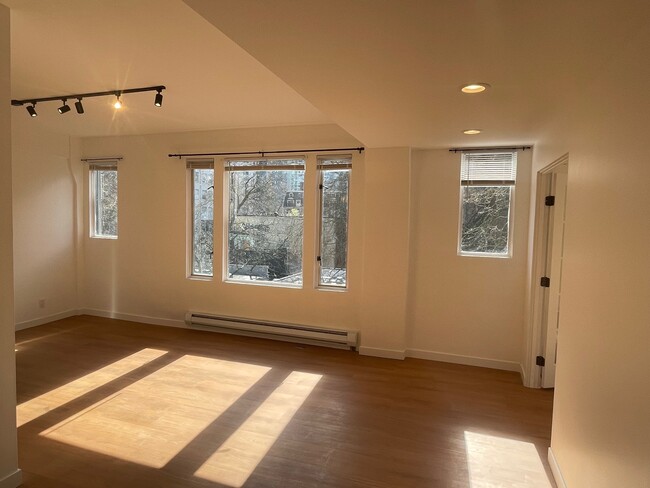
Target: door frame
535,345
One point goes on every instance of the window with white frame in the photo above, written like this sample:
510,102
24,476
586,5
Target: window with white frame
103,200
334,188
201,178
486,200
265,221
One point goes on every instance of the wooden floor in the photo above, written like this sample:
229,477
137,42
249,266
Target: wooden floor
107,403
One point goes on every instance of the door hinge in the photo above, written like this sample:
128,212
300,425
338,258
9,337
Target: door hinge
549,201
545,281
320,187
318,258
540,361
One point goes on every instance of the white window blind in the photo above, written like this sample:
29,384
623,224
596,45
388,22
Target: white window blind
293,164
200,163
335,162
103,166
488,169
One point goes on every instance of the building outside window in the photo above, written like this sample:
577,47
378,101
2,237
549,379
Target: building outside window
265,221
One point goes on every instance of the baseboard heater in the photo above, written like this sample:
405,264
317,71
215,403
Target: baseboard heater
318,336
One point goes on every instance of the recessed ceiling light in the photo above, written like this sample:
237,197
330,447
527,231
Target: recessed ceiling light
475,88
472,132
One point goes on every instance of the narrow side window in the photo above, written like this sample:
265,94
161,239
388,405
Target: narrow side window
103,200
334,190
201,175
486,198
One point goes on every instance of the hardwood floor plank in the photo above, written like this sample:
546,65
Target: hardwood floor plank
219,411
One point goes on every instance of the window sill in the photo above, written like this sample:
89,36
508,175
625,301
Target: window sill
200,278
484,255
267,284
104,238
335,289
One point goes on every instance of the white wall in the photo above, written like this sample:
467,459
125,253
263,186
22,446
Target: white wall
385,251
396,289
143,272
601,426
44,224
9,476
459,305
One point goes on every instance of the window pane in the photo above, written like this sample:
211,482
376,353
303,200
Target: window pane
105,199
334,228
202,221
485,219
265,226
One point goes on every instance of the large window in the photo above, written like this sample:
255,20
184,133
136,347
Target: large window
265,221
487,192
334,187
201,174
103,198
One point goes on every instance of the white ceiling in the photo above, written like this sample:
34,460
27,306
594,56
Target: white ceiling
386,71
72,46
389,71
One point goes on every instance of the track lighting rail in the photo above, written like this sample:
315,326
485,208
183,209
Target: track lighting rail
116,93
78,105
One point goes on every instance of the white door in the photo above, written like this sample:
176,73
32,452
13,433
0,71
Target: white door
555,248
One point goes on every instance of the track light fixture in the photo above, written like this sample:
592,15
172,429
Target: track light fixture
64,108
31,102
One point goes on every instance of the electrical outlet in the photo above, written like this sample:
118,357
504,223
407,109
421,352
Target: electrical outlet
41,303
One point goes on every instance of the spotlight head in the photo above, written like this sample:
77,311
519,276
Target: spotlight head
118,103
79,106
64,108
159,98
31,109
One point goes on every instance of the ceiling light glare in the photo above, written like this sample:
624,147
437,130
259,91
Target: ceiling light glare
472,132
475,88
159,99
64,108
118,103
31,109
79,106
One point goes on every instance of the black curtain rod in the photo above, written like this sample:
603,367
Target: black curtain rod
18,103
512,148
85,160
264,153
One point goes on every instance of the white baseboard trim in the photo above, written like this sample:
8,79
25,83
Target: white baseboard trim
555,469
46,320
381,353
12,480
143,319
467,360
522,372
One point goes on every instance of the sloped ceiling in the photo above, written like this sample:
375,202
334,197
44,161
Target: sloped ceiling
72,46
389,71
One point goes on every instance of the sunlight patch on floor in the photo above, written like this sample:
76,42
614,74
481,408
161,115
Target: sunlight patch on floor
34,408
501,462
238,457
152,420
